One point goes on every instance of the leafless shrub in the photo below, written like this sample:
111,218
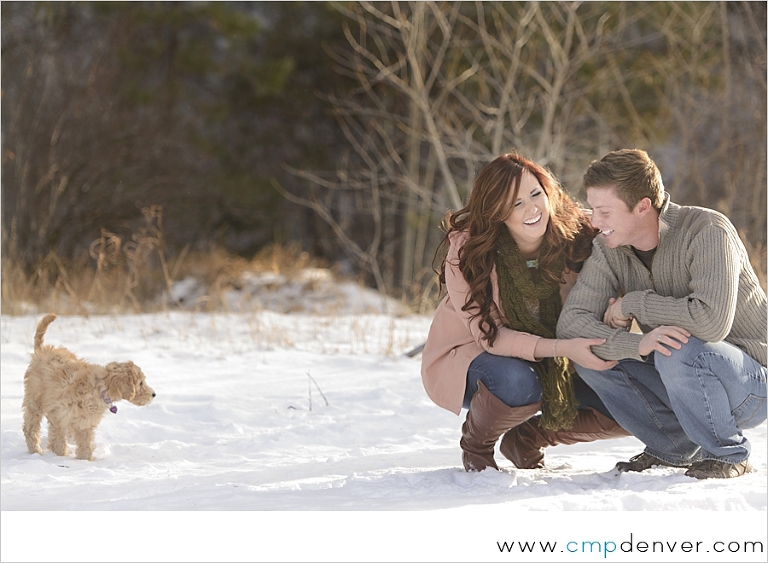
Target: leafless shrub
444,87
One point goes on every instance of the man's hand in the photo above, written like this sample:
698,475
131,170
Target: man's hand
662,338
613,316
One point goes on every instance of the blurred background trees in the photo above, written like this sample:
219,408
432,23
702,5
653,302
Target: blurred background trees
350,128
112,107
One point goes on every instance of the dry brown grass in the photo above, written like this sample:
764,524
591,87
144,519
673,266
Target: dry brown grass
118,276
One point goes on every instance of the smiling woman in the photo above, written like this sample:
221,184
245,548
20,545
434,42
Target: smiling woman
513,254
529,218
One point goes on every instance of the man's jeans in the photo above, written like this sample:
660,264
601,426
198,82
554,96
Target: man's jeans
689,406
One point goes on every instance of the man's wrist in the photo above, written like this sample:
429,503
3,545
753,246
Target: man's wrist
627,306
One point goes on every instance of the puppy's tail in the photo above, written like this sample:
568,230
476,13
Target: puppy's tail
42,326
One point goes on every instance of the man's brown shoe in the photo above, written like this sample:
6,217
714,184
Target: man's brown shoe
640,462
715,469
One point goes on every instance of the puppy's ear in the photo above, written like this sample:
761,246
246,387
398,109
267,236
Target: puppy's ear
121,381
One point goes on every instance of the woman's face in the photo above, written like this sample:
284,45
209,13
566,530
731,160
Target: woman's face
530,213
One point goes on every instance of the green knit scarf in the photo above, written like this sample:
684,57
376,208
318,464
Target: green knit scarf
558,403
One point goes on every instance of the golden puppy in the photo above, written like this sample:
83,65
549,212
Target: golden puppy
74,395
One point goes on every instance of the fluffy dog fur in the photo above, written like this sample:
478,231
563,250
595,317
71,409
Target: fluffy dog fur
70,393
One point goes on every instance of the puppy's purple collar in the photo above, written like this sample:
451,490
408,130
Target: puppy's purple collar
112,408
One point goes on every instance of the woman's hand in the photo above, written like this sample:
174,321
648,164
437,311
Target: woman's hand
580,351
661,338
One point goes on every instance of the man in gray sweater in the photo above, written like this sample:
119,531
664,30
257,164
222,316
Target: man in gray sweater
696,376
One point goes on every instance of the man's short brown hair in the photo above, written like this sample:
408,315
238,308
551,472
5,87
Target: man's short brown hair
631,172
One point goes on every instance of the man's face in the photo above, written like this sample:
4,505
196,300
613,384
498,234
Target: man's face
619,225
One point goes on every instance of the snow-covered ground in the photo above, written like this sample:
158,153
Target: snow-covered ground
309,437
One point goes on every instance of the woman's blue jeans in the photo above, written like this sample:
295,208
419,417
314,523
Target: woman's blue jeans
516,383
689,406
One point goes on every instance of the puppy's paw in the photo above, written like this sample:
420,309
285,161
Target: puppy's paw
87,455
59,450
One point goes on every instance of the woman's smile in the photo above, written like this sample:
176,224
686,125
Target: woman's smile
533,220
527,222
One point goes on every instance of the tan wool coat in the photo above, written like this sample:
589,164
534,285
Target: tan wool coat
455,339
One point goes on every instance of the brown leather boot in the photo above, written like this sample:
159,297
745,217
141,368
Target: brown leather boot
524,444
487,419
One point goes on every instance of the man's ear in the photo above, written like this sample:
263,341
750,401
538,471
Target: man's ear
643,206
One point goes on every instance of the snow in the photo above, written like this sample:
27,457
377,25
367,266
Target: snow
308,436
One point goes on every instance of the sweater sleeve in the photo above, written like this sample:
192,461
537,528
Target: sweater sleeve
508,342
707,312
582,314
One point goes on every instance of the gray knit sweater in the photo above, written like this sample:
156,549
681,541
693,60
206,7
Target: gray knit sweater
700,280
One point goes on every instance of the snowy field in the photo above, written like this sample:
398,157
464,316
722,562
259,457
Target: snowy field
307,437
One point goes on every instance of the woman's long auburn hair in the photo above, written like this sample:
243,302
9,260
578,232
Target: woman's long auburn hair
569,231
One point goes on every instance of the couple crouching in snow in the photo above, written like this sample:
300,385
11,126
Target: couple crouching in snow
506,344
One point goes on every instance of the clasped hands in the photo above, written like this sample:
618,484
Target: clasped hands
660,339
613,316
